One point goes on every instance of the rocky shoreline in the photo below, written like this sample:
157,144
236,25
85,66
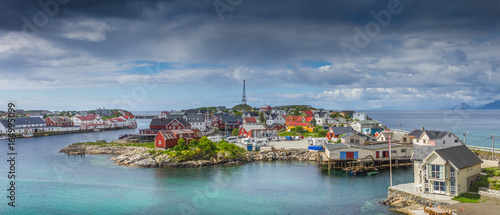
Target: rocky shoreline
141,157
486,156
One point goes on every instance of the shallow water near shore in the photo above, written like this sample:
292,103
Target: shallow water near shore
49,182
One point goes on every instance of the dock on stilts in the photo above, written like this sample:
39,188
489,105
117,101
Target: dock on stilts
362,166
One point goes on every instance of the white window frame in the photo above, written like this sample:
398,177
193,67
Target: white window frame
438,174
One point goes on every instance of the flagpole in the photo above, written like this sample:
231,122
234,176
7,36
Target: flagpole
390,159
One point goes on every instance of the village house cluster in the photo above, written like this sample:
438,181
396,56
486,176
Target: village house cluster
54,122
442,163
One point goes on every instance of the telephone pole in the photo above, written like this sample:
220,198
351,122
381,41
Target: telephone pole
493,145
390,159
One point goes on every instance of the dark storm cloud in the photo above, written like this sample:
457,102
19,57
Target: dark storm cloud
428,45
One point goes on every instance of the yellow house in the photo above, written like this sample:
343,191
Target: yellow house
307,126
448,171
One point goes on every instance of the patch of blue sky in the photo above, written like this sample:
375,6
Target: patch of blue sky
151,67
315,64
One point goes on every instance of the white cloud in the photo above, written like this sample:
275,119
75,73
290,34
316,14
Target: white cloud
86,29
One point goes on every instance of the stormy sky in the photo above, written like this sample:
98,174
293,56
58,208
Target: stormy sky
163,55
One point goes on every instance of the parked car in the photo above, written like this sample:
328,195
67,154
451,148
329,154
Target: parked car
231,139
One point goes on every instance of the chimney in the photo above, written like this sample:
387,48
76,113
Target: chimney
422,128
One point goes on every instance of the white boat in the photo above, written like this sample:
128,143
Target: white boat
97,129
27,134
4,137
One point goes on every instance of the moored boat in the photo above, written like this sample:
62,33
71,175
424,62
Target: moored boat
27,134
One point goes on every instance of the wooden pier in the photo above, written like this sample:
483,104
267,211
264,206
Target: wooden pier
363,165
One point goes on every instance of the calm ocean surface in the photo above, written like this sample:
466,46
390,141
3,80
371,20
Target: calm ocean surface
480,124
48,182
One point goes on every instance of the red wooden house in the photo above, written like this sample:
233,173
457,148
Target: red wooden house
265,108
250,121
59,121
227,122
168,139
277,126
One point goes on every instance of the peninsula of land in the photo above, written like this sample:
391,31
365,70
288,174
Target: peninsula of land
205,153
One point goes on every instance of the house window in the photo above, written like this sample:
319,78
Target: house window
452,172
456,140
443,141
394,152
452,187
439,187
424,141
352,140
436,171
449,135
403,150
357,141
159,142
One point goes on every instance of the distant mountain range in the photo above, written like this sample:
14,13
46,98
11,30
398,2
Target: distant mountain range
462,106
492,105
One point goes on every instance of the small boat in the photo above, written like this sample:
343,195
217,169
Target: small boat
27,134
372,173
97,129
4,137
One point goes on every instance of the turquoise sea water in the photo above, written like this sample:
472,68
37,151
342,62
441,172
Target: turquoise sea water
479,124
48,182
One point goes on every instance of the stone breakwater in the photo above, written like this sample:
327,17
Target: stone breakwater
140,156
398,198
486,156
489,192
283,155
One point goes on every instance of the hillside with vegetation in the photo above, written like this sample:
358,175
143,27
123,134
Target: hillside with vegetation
195,154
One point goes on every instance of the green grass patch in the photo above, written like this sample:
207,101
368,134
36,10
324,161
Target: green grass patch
468,198
289,133
492,171
490,182
481,182
205,149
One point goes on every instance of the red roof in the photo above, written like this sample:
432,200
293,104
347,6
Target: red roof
250,119
297,118
298,124
308,119
87,118
308,113
128,116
